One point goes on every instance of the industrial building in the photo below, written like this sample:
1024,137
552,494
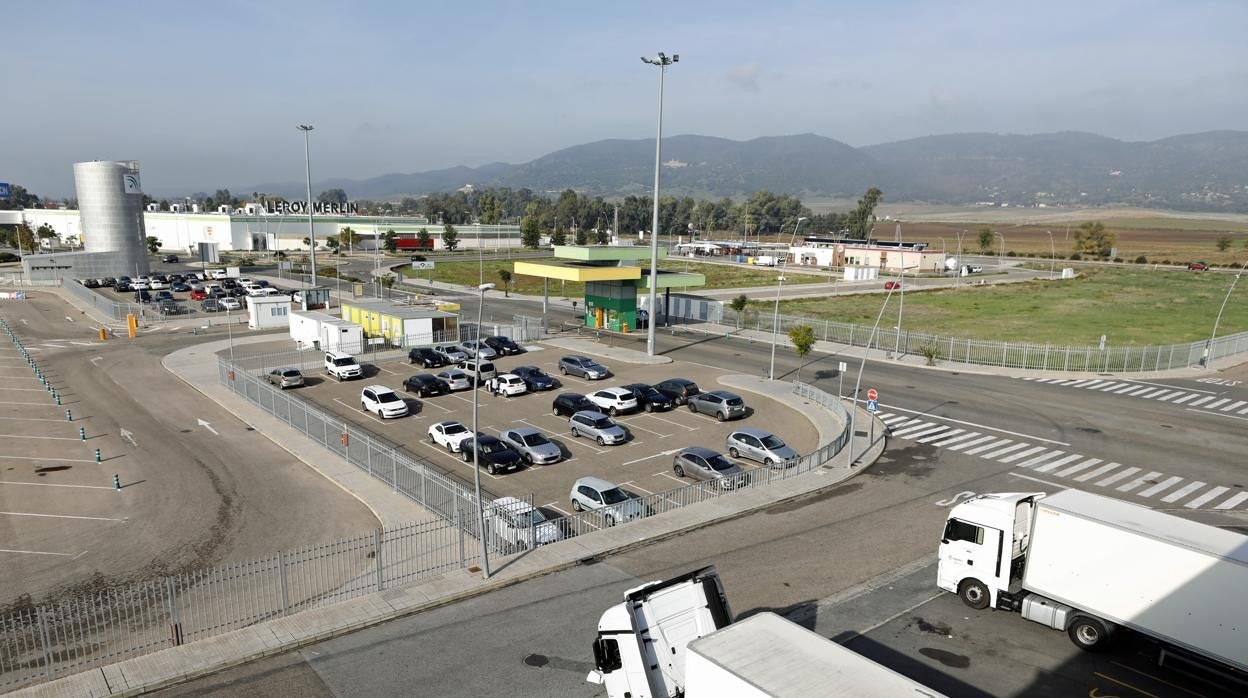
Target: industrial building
888,256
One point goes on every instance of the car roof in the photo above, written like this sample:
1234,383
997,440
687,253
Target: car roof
596,483
512,504
426,377
508,375
592,414
524,431
571,396
447,423
616,390
721,393
700,451
378,387
526,369
286,368
760,433
577,357
454,371
680,381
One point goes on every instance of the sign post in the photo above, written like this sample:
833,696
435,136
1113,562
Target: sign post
840,379
873,406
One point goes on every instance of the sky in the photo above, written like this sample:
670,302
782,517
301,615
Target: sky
208,95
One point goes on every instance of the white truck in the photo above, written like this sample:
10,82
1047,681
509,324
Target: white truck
677,638
1091,565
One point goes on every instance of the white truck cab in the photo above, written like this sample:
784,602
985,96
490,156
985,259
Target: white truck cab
973,559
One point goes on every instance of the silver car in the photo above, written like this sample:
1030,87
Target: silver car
721,404
615,505
584,367
451,353
286,377
475,349
532,445
598,426
762,446
704,464
456,379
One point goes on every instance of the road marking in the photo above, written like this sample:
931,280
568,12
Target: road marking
1161,487
208,426
632,424
129,436
1187,397
1151,393
1163,385
1201,401
978,426
1232,406
1137,390
1098,472
668,475
934,433
34,552
1164,397
1128,472
635,486
1002,451
1217,404
1063,461
898,419
95,360
945,442
32,404
1233,501
1112,386
54,438
58,516
661,453
942,435
1080,384
1043,482
1022,454
1204,498
910,428
50,484
34,419
1093,384
989,446
1138,481
677,424
1181,492
1219,414
31,390
552,505
379,367
1125,388
63,460
959,447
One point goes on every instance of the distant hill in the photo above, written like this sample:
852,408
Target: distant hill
1203,171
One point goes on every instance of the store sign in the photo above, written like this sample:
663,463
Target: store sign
297,207
132,184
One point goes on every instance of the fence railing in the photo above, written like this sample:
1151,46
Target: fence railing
1049,357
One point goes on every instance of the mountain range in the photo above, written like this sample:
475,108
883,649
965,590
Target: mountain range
1201,171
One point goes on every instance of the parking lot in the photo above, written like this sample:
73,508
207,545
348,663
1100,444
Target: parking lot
641,465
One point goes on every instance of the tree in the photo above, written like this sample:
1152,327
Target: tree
390,241
602,236
153,244
984,237
531,232
862,218
332,196
1092,238
25,238
559,237
450,237
424,237
802,337
45,232
308,242
582,237
1224,243
333,244
386,280
505,276
347,236
739,304
19,199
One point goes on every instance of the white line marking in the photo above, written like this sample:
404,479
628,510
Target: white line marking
1165,397
49,484
1125,389
1230,503
1098,472
673,477
941,435
556,508
29,390
34,552
1217,404
1043,482
1182,492
932,433
383,368
96,360
1138,481
1202,499
1163,385
634,425
1094,384
1002,451
1219,414
978,426
1021,454
34,419
954,440
908,428
1128,472
58,516
1243,411
1151,393
662,453
1161,486
1111,386
1233,405
1060,462
1201,401
1138,389
54,438
64,460
1185,398
678,424
898,419
1080,384
959,447
208,426
987,447
1040,458
635,486
32,404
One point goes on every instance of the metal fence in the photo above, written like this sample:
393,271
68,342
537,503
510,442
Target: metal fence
1048,357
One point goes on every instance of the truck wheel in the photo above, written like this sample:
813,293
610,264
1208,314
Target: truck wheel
1088,634
974,594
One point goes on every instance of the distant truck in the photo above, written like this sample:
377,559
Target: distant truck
766,261
677,638
1092,566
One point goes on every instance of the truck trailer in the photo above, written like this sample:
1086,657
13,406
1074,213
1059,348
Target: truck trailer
677,638
1092,566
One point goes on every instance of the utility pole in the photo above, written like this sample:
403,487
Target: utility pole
662,61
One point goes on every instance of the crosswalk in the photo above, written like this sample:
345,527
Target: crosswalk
1151,391
1058,463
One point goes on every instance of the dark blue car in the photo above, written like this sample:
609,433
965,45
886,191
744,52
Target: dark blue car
534,378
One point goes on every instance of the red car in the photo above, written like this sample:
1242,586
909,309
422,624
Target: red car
199,293
1197,266
891,285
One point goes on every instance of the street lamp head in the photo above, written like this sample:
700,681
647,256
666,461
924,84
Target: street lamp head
485,287
304,127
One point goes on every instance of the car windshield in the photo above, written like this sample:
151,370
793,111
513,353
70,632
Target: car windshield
388,397
532,516
772,442
719,463
534,440
344,362
290,373
735,401
492,447
603,423
454,429
614,495
650,393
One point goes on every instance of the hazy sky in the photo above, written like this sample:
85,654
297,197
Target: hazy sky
208,94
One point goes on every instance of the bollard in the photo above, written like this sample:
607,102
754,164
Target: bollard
116,482
69,417
97,455
58,400
82,433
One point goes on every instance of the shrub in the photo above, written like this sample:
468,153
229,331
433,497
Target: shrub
1075,257
9,257
1141,260
1011,253
1117,260
930,351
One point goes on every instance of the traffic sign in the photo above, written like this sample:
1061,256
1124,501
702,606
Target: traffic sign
4,190
873,406
422,265
872,395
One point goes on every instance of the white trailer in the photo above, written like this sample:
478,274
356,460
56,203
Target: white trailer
315,329
1090,565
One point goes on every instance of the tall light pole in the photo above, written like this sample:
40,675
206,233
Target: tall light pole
853,412
1052,254
775,316
476,443
901,307
958,271
662,61
1209,347
1000,251
307,167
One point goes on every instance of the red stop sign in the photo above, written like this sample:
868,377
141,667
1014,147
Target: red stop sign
872,395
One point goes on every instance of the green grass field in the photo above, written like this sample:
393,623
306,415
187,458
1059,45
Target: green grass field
717,276
1127,306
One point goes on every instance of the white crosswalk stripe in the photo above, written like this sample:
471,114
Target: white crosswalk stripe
1111,386
1053,465
1117,476
1201,401
945,442
1021,454
1138,389
968,444
1034,460
1125,388
943,437
1219,403
1206,497
1098,472
1161,487
914,435
911,428
1185,398
1233,405
1233,501
1182,492
989,446
1078,466
1167,396
1002,451
1139,481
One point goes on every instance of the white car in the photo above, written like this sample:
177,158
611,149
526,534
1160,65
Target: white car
506,384
516,524
382,401
614,400
157,285
219,274
450,435
456,379
255,290
230,303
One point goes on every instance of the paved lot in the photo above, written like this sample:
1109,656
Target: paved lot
642,465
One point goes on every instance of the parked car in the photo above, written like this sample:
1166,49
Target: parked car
169,259
615,505
451,353
892,285
571,403
495,455
425,357
229,284
199,293
382,401
230,303
757,444
503,345
516,524
584,367
180,286
475,349
1197,266
450,435
704,464
123,286
484,370
456,379
176,277
338,364
192,278
678,389
91,283
535,378
108,281
211,305
720,404
220,274
142,297
162,278
425,385
614,400
161,296
238,292
507,385
649,397
597,426
156,284
532,445
141,284
286,377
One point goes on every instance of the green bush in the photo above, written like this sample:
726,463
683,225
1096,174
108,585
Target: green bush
9,257
1141,260
1117,260
1011,253
1075,257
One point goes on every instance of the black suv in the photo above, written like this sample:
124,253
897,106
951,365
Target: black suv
503,345
495,455
649,397
678,389
426,357
571,403
426,384
169,259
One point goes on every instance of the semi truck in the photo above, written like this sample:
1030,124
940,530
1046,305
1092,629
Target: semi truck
1092,566
677,638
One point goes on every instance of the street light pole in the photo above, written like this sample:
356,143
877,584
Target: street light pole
662,61
1209,347
1052,254
853,412
775,316
476,443
307,166
901,308
958,271
1000,251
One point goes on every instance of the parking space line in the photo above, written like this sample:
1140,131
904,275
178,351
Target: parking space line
634,425
32,404
678,424
557,508
434,404
379,367
635,486
53,438
673,477
49,484
58,516
661,453
578,439
33,390
63,460
34,552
